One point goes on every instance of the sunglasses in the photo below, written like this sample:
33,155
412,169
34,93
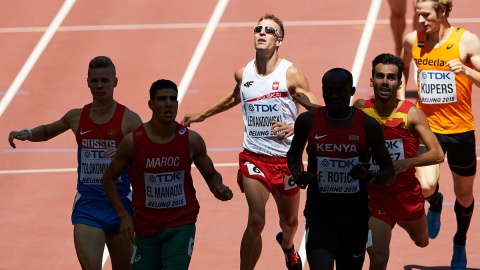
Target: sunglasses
268,30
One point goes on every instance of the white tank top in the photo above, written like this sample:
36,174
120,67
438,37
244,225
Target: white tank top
266,99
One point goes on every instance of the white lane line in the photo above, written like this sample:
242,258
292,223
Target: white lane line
62,170
37,51
357,68
201,47
365,40
110,27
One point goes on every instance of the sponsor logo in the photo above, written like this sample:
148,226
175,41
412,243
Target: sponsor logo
84,132
248,84
320,136
355,256
450,46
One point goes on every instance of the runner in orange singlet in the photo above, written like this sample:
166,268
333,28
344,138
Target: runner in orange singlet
448,60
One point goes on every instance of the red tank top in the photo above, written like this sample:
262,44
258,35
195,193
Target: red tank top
336,198
92,140
163,192
400,143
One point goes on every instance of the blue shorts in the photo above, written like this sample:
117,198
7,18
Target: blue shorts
98,212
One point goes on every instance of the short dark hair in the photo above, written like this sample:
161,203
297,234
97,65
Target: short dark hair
338,71
281,31
101,62
388,59
161,84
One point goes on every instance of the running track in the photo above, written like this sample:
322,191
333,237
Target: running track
45,50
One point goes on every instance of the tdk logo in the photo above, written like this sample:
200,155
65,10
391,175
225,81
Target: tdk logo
248,84
436,76
263,108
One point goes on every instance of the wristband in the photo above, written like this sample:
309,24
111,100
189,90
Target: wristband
29,132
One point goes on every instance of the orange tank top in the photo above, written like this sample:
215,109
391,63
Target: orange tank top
445,97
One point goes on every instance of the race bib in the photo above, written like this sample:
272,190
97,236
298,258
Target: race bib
164,190
395,147
260,116
333,175
437,87
93,165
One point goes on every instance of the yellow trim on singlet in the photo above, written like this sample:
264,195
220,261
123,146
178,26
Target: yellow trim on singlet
393,117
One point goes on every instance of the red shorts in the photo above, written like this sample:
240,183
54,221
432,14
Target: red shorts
273,172
395,207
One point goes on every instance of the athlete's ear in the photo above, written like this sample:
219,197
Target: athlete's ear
279,41
150,104
353,90
115,82
371,82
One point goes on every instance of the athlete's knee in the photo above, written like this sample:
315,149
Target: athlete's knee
289,221
378,261
256,223
423,242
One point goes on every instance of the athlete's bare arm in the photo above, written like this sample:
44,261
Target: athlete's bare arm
204,164
297,83
470,53
120,162
130,121
418,126
406,56
46,132
359,104
228,101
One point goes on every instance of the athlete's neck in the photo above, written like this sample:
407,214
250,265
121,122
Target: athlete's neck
101,112
438,37
266,63
160,132
385,108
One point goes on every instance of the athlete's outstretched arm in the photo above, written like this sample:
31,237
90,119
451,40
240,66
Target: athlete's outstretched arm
46,132
228,101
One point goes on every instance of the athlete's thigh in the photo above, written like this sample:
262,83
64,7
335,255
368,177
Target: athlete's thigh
428,176
352,251
146,253
417,229
461,153
89,245
381,236
120,254
320,259
177,247
398,6
257,196
287,206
